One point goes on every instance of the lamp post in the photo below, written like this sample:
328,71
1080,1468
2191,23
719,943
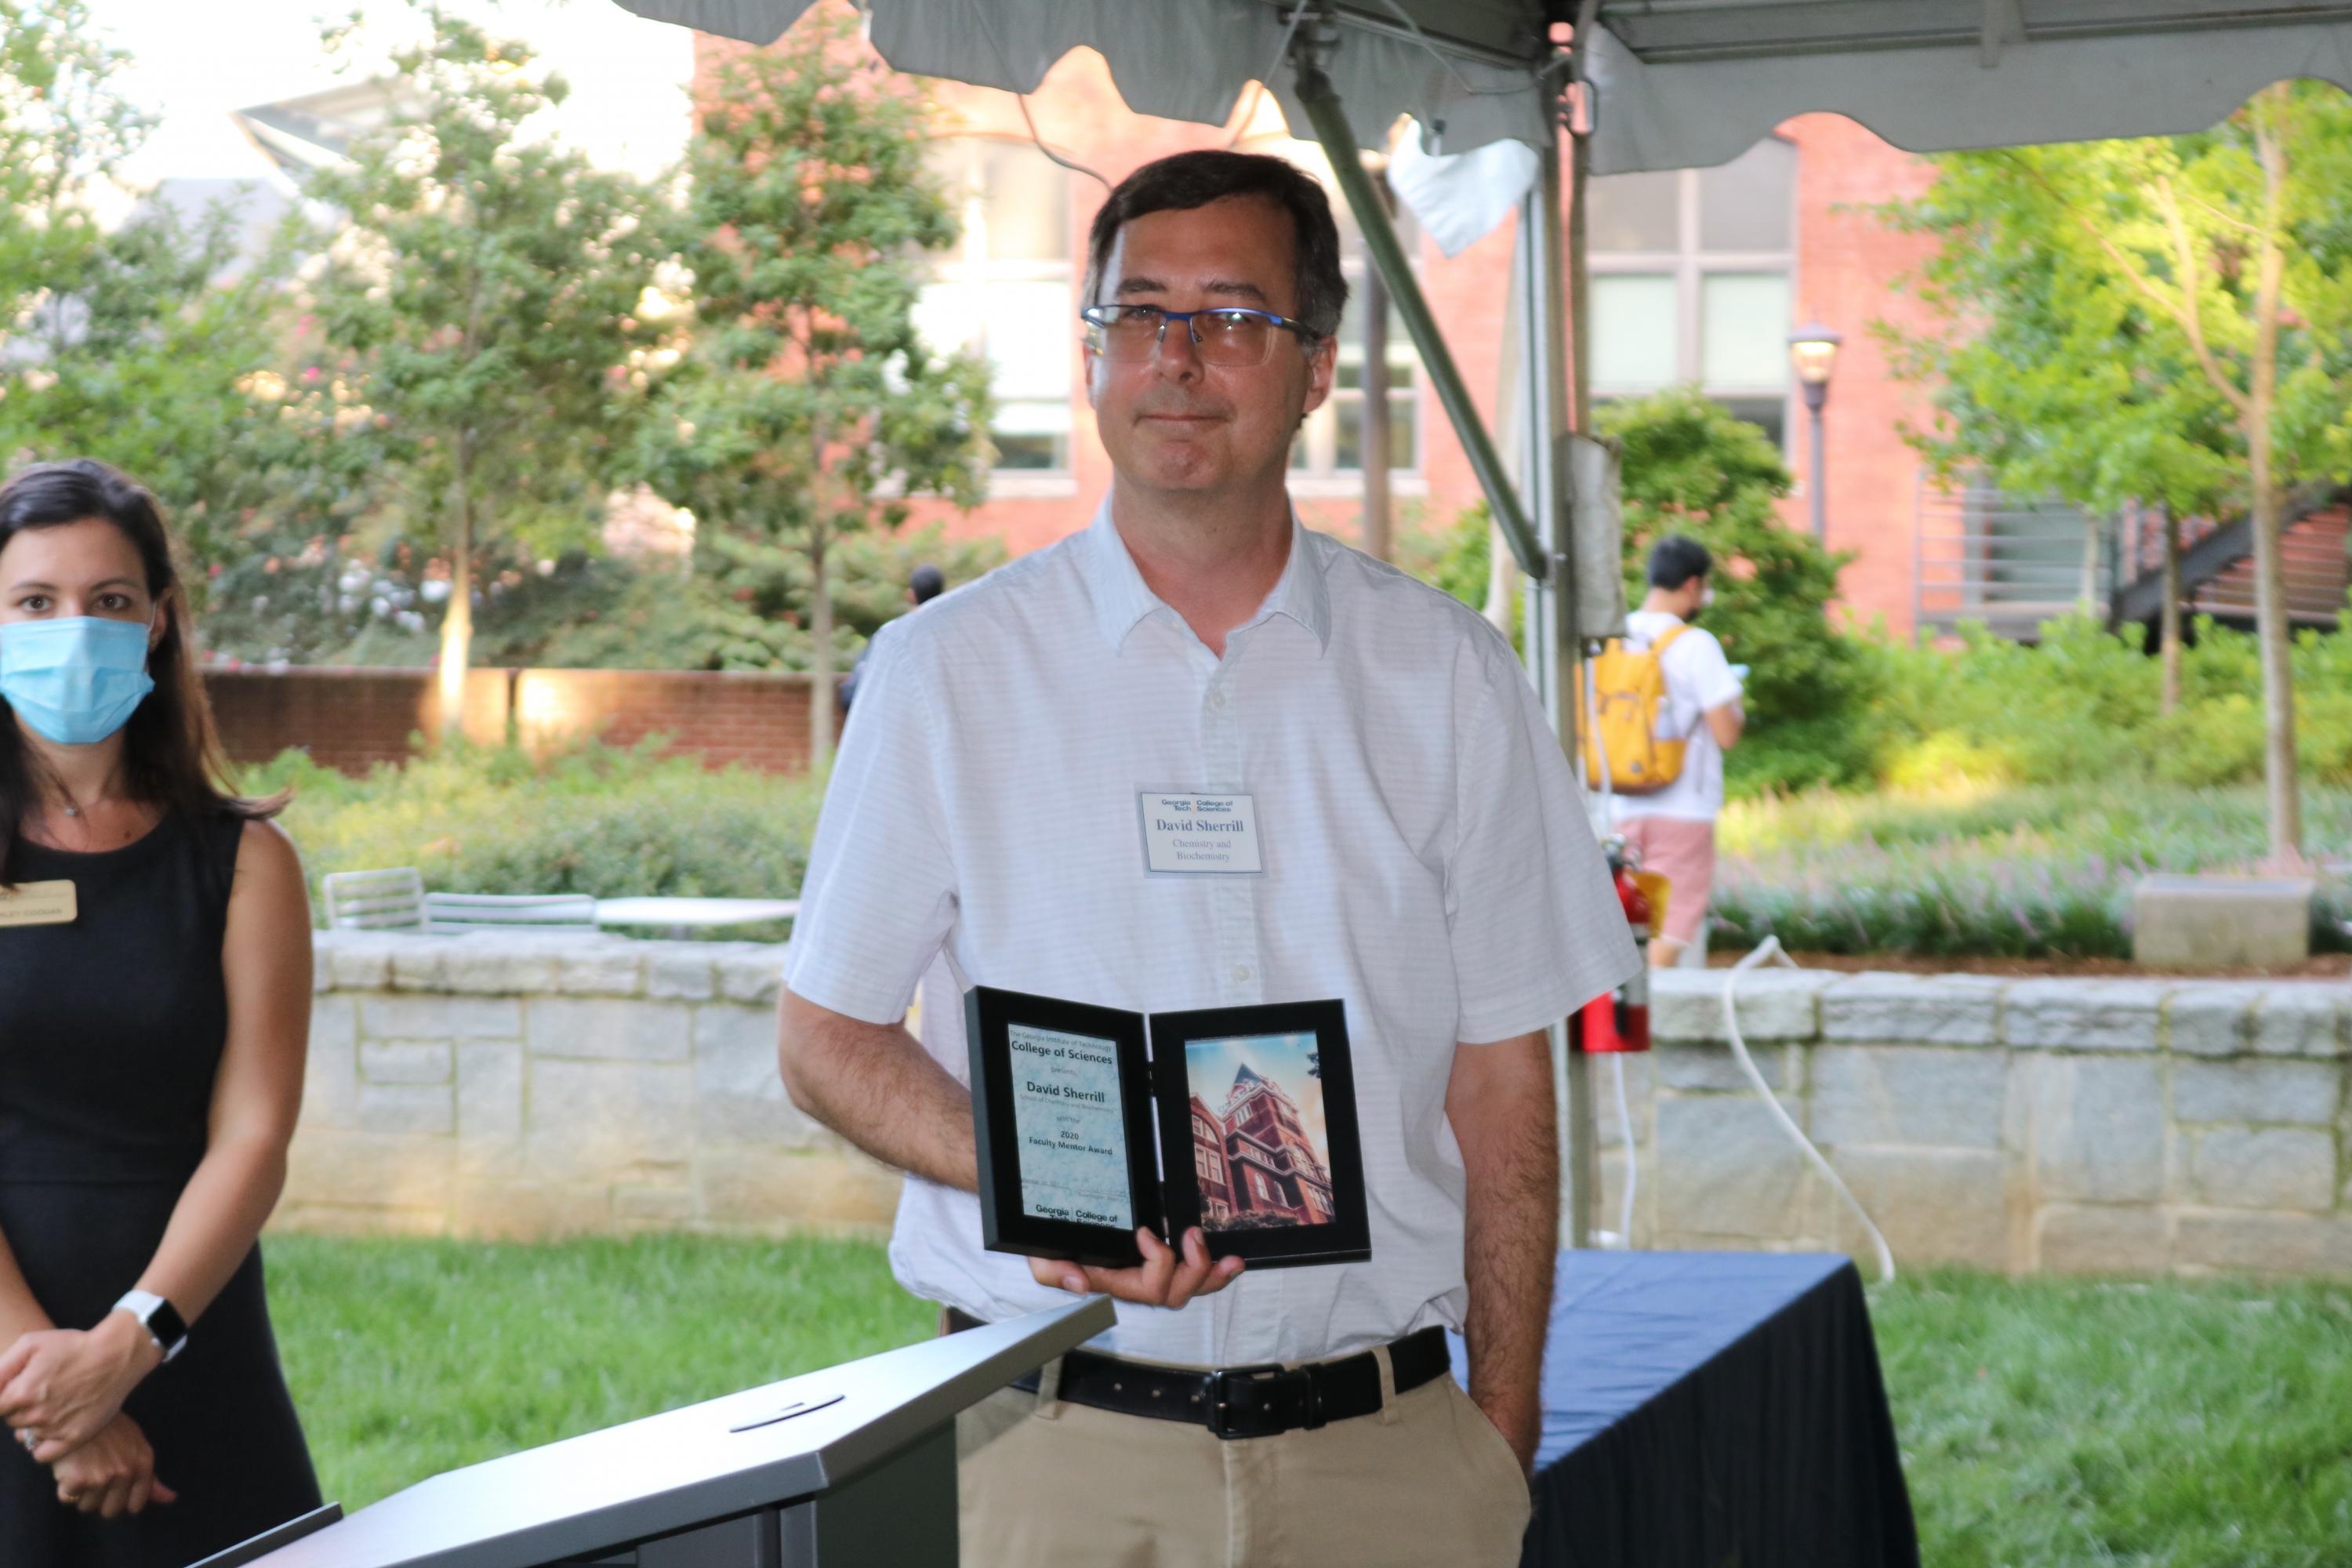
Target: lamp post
1812,350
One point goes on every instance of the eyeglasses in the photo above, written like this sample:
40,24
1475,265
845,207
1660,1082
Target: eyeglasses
1226,336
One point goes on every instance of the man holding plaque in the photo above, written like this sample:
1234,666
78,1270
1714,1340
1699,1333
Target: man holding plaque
1194,761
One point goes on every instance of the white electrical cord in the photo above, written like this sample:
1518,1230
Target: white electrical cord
1770,949
1632,1173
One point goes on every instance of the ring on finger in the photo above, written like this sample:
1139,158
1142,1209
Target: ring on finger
29,1439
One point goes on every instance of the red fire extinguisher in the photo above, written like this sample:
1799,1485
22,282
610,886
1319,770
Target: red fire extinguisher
1620,1020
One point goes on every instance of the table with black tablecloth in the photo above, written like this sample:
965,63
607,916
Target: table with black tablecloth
1711,1409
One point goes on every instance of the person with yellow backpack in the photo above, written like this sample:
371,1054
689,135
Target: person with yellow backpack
1662,708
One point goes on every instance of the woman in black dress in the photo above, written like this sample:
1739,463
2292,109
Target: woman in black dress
154,1013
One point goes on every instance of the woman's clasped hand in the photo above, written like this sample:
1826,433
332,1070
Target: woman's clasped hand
60,1388
112,1474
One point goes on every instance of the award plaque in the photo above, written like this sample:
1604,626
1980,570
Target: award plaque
1061,1104
1254,1110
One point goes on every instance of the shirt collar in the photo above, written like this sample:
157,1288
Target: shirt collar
1121,597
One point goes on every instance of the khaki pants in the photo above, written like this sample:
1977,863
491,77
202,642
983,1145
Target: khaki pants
1426,1480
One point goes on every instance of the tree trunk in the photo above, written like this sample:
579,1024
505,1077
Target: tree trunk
2269,574
2089,596
2273,637
821,704
2169,619
457,619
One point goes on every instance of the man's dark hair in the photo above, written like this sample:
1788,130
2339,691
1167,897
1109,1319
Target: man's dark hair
926,583
1189,180
1674,560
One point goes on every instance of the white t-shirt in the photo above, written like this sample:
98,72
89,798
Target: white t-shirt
1425,862
1698,678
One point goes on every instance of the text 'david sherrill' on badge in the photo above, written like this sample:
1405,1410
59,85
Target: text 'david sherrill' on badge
1200,834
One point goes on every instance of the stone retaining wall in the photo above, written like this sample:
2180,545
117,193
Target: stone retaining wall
519,1085
2141,1126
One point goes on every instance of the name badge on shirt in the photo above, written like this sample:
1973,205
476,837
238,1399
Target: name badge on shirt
1188,833
38,904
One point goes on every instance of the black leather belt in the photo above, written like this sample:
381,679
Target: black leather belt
1240,1401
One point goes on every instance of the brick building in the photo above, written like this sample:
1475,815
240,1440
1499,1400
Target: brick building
1255,1159
1697,276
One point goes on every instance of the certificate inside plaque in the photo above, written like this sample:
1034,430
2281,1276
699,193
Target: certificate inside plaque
1061,1113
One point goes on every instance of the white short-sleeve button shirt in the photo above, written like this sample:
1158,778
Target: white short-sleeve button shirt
1425,861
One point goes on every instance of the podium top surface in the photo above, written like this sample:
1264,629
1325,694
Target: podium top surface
605,1489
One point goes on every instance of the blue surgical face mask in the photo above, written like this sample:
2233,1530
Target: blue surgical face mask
75,680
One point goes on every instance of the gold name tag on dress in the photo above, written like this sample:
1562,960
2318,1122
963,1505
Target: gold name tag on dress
38,904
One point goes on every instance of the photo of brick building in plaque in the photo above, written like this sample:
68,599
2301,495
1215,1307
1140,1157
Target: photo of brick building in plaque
1259,1161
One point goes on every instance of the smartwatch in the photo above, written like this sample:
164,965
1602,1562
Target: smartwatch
159,1318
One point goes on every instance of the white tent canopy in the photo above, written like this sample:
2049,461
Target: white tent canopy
1677,83
1687,83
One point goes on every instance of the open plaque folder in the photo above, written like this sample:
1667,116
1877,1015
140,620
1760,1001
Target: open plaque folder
1092,1122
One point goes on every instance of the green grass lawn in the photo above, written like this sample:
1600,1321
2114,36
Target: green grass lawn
2043,1422
2049,1421
408,1358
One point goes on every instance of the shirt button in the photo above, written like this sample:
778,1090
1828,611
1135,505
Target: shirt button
1216,700
1241,972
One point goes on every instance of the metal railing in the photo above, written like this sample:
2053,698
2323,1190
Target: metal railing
1980,555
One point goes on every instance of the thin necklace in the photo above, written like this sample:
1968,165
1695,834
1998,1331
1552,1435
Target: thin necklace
73,810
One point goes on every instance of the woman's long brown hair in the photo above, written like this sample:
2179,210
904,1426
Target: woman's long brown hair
171,753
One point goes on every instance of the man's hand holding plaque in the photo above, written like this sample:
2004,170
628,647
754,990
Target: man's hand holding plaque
1165,1277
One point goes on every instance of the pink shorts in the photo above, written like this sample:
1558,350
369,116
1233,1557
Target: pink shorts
1683,853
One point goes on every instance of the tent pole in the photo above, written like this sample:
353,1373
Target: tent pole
1550,631
1330,124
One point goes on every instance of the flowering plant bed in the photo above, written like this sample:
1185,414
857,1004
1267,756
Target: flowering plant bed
1993,873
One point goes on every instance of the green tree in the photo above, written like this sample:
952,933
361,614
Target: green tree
2165,322
808,407
127,344
1691,469
482,303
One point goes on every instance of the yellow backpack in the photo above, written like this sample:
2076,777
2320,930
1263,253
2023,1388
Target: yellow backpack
1629,686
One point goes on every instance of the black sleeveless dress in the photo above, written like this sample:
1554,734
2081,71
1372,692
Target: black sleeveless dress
112,1029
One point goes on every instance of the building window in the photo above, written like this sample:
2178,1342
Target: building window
1331,443
1332,440
1005,293
1691,281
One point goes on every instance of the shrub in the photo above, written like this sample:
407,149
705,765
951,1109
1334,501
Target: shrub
2083,704
1988,871
1691,469
1454,559
596,819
